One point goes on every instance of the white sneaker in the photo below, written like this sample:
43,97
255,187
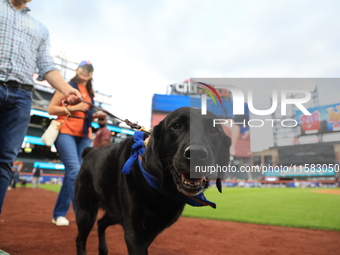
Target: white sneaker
61,221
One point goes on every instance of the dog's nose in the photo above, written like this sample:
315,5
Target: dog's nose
196,151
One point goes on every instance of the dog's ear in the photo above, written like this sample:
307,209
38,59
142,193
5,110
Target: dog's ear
86,151
223,158
151,159
219,184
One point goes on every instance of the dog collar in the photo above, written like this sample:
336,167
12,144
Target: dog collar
138,149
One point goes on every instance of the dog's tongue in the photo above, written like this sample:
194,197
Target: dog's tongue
186,177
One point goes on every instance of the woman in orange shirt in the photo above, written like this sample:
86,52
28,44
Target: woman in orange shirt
73,138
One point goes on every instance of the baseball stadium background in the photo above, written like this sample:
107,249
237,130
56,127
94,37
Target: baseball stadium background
315,140
258,213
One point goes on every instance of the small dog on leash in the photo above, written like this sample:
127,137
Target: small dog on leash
150,193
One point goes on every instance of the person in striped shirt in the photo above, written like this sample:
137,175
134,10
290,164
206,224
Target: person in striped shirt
24,48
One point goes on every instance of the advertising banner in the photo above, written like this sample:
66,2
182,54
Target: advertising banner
323,119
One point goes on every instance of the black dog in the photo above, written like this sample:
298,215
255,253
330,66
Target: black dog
127,199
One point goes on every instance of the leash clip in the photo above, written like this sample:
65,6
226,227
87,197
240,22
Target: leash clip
66,104
143,129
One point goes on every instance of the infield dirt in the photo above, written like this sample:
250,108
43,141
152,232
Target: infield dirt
328,191
26,229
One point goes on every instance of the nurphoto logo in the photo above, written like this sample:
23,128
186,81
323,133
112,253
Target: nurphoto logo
238,102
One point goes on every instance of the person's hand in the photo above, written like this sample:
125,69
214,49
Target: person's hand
79,107
73,96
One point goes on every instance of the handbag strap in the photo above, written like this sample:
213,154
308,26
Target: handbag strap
62,123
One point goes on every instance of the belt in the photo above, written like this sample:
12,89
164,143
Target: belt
17,85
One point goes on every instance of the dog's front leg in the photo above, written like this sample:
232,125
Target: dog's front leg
138,241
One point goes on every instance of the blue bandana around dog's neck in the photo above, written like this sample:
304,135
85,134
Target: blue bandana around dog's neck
138,149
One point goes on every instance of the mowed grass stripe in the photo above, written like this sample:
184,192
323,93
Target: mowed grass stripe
272,206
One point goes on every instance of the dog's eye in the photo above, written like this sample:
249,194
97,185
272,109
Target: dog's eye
176,126
213,131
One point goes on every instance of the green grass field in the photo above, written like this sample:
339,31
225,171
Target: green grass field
271,206
51,187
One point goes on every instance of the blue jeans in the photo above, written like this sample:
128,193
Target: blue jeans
15,107
15,179
69,149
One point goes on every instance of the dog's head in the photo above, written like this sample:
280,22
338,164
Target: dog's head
183,141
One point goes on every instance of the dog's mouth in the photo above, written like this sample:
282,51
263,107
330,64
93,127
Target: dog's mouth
190,186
